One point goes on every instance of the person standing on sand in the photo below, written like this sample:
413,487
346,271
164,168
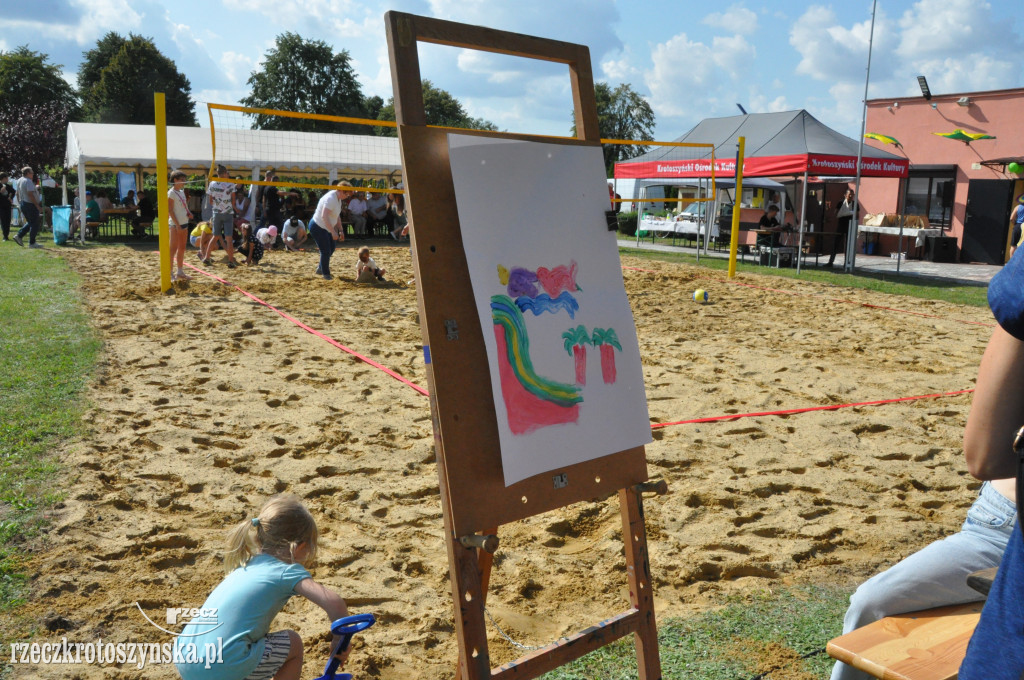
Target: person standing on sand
223,218
325,225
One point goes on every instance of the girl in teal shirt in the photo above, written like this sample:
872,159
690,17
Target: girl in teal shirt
266,558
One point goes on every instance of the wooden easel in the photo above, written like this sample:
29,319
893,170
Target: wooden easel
475,500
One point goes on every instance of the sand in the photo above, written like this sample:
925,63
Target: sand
205,403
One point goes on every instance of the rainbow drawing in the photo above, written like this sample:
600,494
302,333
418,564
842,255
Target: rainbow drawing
531,401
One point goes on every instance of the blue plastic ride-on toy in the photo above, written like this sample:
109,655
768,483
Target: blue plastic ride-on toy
344,628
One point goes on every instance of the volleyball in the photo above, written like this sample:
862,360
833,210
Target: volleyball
700,295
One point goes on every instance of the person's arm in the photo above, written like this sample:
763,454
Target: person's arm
997,411
329,601
170,211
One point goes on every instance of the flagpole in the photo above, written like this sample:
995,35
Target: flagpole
851,240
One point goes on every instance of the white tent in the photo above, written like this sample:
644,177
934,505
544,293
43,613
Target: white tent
99,146
108,147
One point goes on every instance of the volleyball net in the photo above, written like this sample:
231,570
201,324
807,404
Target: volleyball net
312,151
304,150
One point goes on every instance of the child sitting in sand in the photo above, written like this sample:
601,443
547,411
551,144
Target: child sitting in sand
367,270
200,238
294,233
265,562
251,246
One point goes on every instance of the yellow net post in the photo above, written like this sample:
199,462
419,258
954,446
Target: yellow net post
734,241
161,190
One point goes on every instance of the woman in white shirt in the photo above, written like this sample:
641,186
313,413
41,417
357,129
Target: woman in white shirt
325,225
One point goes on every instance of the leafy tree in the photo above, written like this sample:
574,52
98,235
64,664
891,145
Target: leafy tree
124,90
95,60
33,134
373,106
622,114
27,79
441,108
306,76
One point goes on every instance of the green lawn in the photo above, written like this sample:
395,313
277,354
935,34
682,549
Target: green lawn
780,634
911,286
47,355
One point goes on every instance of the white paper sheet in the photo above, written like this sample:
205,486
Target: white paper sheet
538,248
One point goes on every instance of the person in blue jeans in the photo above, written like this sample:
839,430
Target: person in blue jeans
996,650
325,225
936,576
31,207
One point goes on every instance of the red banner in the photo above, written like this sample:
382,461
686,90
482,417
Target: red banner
766,166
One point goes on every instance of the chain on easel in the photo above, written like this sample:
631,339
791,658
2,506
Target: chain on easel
529,648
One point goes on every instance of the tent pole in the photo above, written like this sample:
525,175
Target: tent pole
803,217
851,239
901,206
643,195
699,181
82,218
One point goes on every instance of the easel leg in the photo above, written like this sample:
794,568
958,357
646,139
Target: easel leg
484,561
641,594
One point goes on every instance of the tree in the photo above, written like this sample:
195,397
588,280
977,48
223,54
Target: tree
33,134
121,90
622,114
306,76
26,79
441,108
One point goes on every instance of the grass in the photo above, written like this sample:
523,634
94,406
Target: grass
766,634
47,354
912,286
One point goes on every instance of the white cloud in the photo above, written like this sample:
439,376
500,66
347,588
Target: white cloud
622,69
828,51
736,19
759,103
733,55
942,27
93,19
681,68
690,78
237,67
485,64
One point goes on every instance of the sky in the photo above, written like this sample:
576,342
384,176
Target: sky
689,60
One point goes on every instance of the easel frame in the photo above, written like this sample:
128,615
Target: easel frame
475,500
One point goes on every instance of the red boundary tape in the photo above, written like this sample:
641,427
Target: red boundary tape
315,332
831,407
711,419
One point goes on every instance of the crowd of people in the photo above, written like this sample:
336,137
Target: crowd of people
261,218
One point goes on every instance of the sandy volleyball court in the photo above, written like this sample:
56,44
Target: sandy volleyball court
205,403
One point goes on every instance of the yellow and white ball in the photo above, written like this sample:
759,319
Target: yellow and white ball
700,296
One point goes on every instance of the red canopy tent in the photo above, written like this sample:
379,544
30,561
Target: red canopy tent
777,144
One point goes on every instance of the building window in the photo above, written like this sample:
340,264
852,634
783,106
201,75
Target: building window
931,194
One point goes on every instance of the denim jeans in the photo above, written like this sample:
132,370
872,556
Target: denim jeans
31,213
936,575
325,242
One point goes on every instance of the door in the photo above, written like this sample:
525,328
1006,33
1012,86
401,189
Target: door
988,221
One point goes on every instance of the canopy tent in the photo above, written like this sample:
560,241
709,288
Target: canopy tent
111,147
785,143
642,185
108,147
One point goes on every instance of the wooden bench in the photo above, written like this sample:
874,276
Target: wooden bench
924,645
